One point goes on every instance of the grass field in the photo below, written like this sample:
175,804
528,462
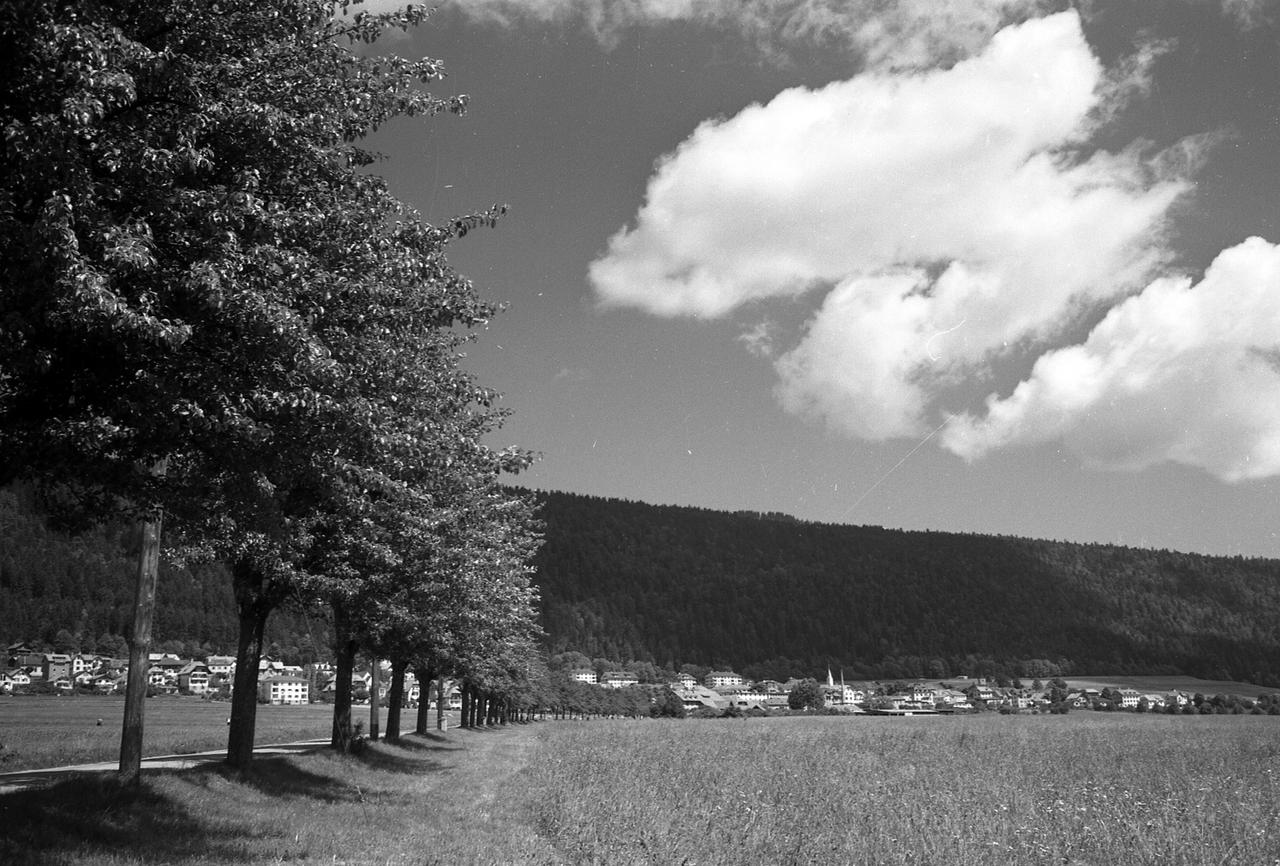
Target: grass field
1084,788
47,731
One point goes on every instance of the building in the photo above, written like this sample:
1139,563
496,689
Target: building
583,675
283,690
720,679
193,679
618,679
223,666
56,666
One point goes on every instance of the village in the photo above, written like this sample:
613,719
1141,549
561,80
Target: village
719,692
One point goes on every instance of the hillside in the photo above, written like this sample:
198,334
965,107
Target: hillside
52,582
765,594
624,580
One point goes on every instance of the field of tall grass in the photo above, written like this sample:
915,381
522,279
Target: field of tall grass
1079,788
1085,788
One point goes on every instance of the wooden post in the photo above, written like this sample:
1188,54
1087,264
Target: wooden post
144,608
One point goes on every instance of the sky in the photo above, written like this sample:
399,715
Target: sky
1006,267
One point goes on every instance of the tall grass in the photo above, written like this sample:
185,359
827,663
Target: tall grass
1084,788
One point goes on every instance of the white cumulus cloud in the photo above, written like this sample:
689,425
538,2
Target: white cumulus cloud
1181,372
945,212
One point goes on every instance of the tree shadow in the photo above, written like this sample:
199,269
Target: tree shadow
425,743
399,757
280,777
82,815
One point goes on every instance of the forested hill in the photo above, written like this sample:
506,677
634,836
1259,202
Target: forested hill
76,593
765,594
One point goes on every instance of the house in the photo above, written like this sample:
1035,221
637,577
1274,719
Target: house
687,681
108,684
223,666
745,697
583,675
22,655
1129,699
6,683
19,677
701,697
81,662
193,678
719,679
283,690
166,664
618,679
63,685
56,666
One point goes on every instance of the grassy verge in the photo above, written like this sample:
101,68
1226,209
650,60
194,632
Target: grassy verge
1084,788
437,799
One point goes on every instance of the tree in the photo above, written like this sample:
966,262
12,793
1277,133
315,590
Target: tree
667,705
805,695
194,266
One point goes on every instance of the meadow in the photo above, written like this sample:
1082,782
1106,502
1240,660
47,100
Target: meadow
1084,788
49,731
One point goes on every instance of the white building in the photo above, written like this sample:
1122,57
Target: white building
720,679
284,690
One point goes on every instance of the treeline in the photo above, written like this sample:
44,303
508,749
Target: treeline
769,597
218,326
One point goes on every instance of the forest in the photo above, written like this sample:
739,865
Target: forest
764,594
769,596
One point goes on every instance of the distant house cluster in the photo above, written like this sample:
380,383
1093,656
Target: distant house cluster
277,682
721,690
166,674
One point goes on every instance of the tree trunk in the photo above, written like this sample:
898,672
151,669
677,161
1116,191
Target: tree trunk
395,698
344,666
144,606
375,696
425,675
441,703
465,721
244,692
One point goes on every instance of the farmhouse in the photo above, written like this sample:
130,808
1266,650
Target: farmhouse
193,678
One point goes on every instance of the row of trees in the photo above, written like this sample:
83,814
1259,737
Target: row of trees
213,314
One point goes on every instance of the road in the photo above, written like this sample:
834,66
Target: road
24,779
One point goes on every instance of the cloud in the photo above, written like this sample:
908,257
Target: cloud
886,33
947,215
1181,372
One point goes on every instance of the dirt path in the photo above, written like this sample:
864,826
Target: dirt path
21,780
482,805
